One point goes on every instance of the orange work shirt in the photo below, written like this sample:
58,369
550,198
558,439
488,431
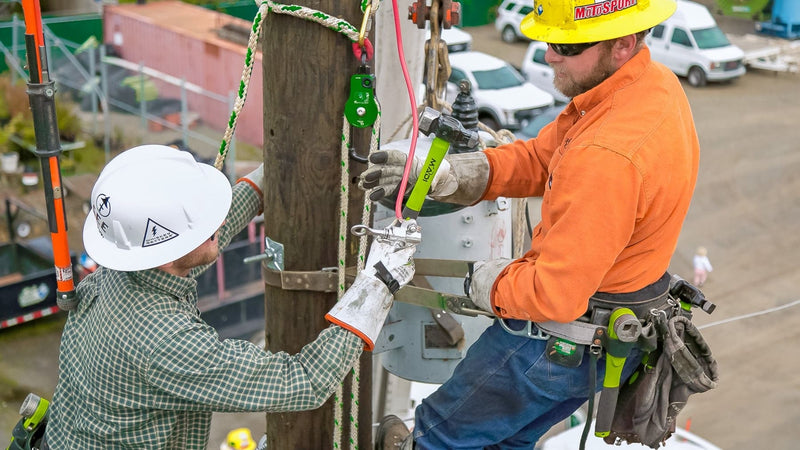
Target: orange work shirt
616,170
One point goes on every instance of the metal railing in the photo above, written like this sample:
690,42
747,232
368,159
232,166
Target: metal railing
90,82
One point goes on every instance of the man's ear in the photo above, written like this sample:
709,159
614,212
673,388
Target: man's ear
623,49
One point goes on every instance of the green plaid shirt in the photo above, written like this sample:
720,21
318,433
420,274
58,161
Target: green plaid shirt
139,368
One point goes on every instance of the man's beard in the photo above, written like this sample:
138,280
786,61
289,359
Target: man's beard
571,87
197,258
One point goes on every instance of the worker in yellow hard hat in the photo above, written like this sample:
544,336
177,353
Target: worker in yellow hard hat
616,170
239,439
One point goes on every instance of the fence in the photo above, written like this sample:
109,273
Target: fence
116,94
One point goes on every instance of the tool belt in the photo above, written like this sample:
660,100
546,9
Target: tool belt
677,361
654,297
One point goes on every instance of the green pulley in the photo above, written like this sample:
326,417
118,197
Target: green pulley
361,108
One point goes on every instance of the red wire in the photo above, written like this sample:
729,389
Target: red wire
398,205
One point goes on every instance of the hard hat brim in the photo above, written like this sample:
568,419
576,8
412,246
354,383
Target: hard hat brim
217,192
595,30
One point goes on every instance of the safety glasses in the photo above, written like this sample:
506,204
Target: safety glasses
571,49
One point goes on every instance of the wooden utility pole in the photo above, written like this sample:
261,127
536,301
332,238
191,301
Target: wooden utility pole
307,70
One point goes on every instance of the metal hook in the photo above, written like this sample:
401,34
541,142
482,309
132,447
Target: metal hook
363,31
356,157
412,234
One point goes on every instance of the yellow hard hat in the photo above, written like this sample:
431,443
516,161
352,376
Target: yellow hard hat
581,21
241,439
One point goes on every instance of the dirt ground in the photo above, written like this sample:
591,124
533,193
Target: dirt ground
746,212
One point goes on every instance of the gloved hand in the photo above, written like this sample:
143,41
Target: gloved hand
383,179
364,307
483,277
461,178
255,178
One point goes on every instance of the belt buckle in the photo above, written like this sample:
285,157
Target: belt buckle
527,331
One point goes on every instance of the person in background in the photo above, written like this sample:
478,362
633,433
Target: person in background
702,266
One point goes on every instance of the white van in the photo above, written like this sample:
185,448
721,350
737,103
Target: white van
536,70
691,44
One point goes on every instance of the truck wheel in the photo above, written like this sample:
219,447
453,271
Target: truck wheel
490,122
696,77
508,35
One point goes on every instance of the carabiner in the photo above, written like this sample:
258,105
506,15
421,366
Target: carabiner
364,25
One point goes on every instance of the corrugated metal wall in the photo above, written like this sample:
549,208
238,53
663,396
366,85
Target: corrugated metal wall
179,39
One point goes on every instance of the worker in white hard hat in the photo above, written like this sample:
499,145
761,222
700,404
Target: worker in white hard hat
616,170
138,366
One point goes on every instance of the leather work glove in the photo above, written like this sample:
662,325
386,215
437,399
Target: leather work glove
256,180
364,307
256,177
461,178
483,277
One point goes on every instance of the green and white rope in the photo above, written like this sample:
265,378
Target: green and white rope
326,20
342,254
244,83
352,33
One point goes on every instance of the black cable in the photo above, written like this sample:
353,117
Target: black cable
592,386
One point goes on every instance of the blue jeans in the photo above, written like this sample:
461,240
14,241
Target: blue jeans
505,394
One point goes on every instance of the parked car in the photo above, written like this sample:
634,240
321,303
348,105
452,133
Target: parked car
503,97
691,44
457,39
531,129
536,70
509,15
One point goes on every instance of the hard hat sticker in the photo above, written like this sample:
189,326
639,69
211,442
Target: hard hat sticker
102,205
101,208
156,234
602,8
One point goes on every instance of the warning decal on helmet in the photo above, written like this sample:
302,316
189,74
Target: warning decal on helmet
156,234
602,8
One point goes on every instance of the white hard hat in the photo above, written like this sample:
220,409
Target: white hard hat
151,205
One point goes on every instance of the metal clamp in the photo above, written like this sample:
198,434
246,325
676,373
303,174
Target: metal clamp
273,251
412,234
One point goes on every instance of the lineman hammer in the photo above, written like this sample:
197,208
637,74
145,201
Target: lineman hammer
448,131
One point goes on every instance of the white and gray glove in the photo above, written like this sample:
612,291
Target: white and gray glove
255,178
482,280
364,307
461,178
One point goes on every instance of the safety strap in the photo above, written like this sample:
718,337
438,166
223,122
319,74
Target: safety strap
595,350
575,331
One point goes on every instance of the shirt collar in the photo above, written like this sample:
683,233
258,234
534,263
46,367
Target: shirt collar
180,287
625,75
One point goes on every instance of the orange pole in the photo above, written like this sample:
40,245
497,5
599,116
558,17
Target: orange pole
33,26
61,256
41,91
